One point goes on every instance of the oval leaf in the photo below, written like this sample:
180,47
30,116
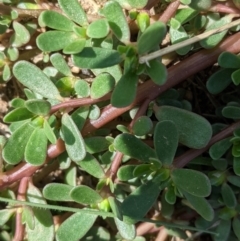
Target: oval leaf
127,231
218,149
125,173
191,181
60,64
34,79
73,140
21,35
38,107
194,130
231,112
49,132
229,60
133,147
142,126
98,29
228,195
18,114
85,195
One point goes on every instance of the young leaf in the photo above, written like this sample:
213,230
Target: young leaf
229,60
98,29
55,40
75,227
125,91
57,192
73,140
127,231
96,144
13,151
74,11
191,181
38,107
167,209
219,81
133,147
36,148
82,88
95,58
92,166
18,114
228,195
166,141
102,85
143,21
34,79
194,130
55,20
170,195
21,35
157,72
49,132
139,202
60,64
218,149
117,20
6,74
151,37
94,112
142,126
85,195
201,206
125,173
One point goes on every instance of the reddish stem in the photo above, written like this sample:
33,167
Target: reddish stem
170,11
222,8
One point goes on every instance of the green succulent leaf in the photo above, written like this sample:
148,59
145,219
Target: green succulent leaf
127,231
129,4
223,230
74,11
235,77
142,126
218,149
201,206
70,230
13,151
92,166
102,84
231,112
151,37
115,207
229,60
95,58
236,165
36,148
85,195
34,79
133,147
194,130
21,35
79,116
139,202
170,195
117,20
235,226
234,180
219,81
5,215
28,217
125,91
96,144
75,47
17,102
57,192
73,140
167,209
228,196
191,181
49,132
98,29
6,74
55,40
125,173
60,64
166,141
82,88
157,72
185,15
94,112
200,5
55,20
18,114
38,107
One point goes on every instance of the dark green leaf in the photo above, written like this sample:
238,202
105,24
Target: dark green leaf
5,215
235,77
13,151
55,20
229,60
74,11
18,114
96,144
219,81
75,47
166,141
85,195
194,130
151,37
115,207
200,5
95,58
235,226
38,107
49,132
98,29
55,40
201,206
97,233
60,64
125,173
73,140
125,90
194,182
157,72
170,195
117,20
139,202
234,180
223,230
228,196
33,78
92,166
57,192
75,227
133,147
231,112
167,209
36,148
102,85
218,149
142,126
79,116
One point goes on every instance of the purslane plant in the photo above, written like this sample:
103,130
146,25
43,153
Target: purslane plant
129,162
